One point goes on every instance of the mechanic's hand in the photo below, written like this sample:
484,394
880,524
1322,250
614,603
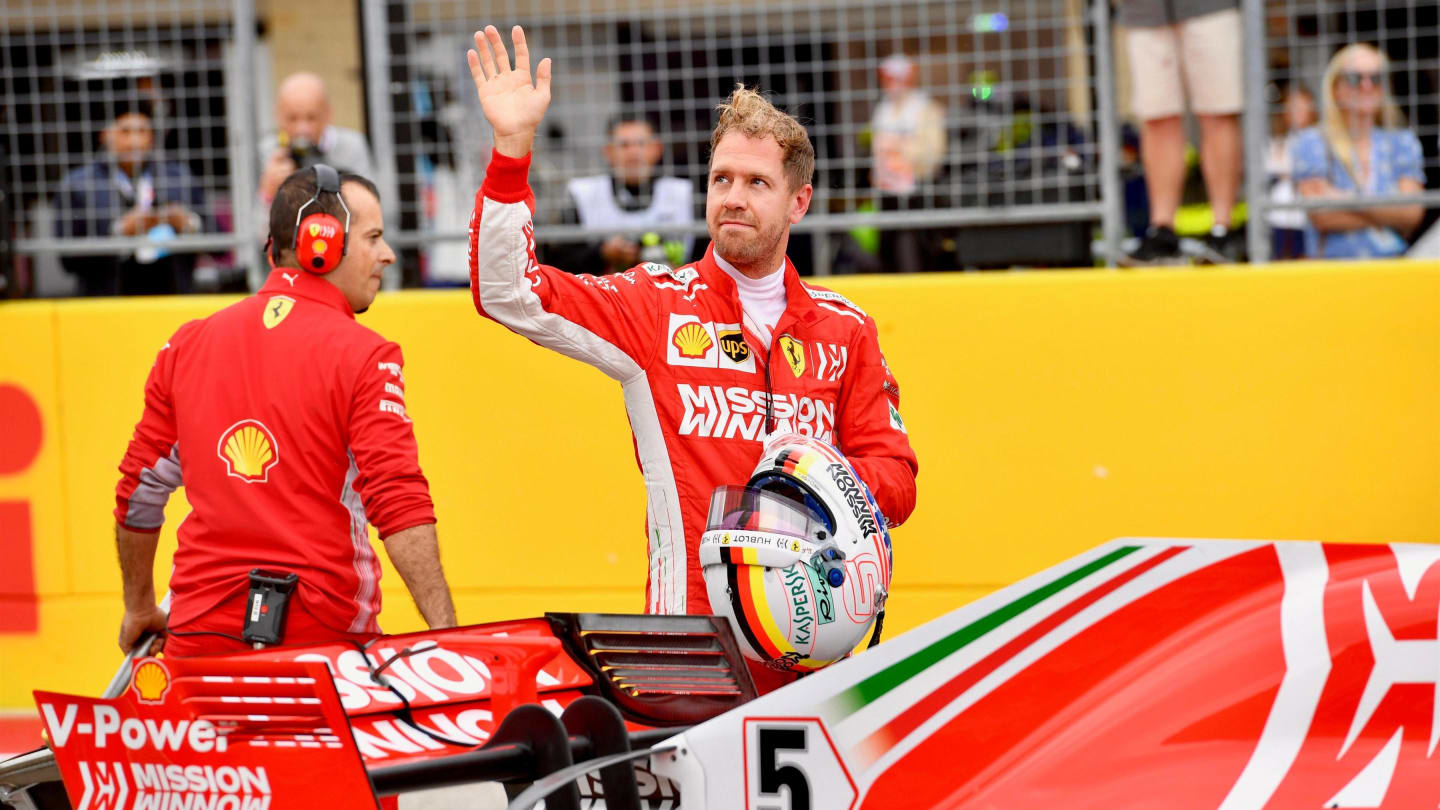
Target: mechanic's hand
139,622
512,105
620,252
277,168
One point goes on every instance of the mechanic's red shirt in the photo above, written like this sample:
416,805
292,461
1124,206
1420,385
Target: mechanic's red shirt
285,421
696,383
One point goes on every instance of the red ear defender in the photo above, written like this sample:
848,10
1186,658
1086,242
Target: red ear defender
320,243
320,237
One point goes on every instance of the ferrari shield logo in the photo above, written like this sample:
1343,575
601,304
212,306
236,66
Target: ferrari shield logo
276,309
794,353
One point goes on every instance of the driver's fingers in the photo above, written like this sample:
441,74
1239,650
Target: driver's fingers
542,75
473,59
522,50
502,57
487,59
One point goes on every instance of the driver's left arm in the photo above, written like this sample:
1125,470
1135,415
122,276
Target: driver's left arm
870,431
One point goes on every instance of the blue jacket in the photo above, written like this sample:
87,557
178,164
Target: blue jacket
92,197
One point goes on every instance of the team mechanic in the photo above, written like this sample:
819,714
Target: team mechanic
712,356
285,420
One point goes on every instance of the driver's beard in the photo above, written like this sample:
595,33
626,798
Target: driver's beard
740,250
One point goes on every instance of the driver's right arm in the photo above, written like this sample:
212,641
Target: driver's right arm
606,321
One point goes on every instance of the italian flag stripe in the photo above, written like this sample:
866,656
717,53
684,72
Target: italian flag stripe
901,671
871,748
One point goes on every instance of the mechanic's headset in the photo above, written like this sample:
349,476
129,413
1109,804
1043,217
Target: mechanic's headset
320,239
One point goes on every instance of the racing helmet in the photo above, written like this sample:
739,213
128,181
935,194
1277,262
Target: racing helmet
799,558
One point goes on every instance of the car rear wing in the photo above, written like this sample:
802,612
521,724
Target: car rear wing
569,687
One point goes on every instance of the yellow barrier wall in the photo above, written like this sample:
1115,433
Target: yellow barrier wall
1050,411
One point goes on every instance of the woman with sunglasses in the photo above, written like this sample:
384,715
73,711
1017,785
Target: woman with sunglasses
1360,149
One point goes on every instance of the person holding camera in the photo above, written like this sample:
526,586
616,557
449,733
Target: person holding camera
285,420
305,136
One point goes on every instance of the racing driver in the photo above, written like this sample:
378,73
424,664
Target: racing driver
713,356
285,420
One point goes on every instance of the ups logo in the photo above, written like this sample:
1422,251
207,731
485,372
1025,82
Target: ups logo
734,346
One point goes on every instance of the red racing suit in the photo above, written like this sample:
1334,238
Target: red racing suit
285,421
697,384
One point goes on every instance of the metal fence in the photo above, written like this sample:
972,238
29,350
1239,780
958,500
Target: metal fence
1288,45
1027,88
1022,117
69,73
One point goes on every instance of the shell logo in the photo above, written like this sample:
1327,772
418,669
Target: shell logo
151,681
692,340
318,246
249,450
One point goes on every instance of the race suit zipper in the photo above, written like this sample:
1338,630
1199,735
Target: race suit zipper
769,394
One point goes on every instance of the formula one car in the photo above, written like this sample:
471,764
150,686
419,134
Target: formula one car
1145,673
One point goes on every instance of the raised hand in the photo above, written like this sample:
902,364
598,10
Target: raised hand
512,104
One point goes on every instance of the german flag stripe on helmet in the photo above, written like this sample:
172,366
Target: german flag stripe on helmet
747,598
776,644
743,606
772,639
740,555
798,464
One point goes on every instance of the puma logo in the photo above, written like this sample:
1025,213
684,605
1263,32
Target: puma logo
290,278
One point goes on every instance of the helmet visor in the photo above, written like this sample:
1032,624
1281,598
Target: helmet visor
747,508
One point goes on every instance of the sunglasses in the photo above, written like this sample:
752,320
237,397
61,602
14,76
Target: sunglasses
1355,78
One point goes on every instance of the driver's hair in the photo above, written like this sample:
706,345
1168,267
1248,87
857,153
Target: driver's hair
752,115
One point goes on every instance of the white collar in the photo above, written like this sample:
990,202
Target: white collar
767,283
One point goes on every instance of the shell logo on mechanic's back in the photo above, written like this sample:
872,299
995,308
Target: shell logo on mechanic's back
249,450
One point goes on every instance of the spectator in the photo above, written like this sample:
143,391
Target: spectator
1202,38
304,137
130,193
1287,227
908,139
1360,149
632,203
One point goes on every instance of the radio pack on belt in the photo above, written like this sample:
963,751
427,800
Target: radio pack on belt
266,605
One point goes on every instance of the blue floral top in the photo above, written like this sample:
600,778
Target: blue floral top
1394,154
